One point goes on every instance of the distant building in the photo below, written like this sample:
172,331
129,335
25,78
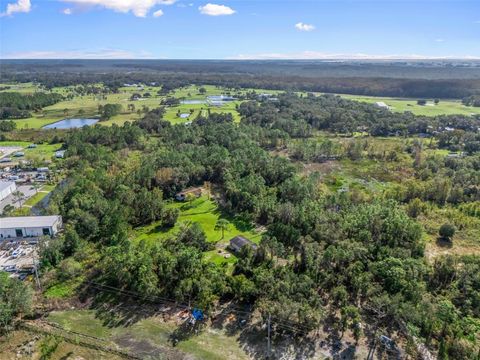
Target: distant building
182,195
382,105
6,188
239,242
29,226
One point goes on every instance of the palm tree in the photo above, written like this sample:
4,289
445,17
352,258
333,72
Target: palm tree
18,196
222,224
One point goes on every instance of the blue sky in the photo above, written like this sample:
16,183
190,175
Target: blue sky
241,29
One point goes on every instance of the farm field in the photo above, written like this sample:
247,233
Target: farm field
444,107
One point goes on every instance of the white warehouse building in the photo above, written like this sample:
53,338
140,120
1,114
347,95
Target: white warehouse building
7,188
29,226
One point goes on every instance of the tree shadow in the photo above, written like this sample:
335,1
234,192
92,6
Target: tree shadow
444,243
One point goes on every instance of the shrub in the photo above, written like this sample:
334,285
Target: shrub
446,231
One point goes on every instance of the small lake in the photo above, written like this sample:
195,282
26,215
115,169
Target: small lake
192,102
220,98
71,123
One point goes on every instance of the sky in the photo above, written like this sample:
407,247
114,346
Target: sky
242,29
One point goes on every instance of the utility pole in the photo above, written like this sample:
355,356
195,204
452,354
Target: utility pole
269,345
37,279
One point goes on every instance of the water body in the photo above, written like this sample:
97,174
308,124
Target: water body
192,102
71,123
184,116
220,98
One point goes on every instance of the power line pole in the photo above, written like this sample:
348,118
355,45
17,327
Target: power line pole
269,345
35,265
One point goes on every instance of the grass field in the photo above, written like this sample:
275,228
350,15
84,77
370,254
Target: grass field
41,153
206,213
444,107
208,345
87,106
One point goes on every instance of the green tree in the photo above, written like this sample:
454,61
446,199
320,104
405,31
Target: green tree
15,300
222,224
446,231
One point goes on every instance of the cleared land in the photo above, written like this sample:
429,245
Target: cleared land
206,213
444,107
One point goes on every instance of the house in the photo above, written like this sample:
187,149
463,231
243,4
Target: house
239,242
195,191
29,226
6,188
60,154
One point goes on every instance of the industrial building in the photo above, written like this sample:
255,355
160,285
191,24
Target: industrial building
29,226
7,188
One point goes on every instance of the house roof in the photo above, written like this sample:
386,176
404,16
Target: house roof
5,185
240,241
190,190
28,221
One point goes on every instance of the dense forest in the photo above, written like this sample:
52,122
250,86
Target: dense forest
415,79
355,261
18,106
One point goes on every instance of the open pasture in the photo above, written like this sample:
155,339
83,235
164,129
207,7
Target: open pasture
444,107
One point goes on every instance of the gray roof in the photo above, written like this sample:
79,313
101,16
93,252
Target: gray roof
241,241
28,221
5,184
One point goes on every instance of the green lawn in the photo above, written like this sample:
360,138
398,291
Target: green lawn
445,107
41,153
206,213
42,192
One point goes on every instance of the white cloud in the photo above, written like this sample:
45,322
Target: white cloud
158,13
304,27
67,11
139,8
21,6
439,40
79,54
216,10
317,55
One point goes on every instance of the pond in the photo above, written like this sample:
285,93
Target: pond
71,123
192,102
220,98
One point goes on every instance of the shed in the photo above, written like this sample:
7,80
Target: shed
239,242
182,195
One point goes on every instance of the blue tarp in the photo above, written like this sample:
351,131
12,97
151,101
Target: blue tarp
197,314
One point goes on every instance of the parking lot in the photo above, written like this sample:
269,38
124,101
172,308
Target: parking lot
17,257
27,182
